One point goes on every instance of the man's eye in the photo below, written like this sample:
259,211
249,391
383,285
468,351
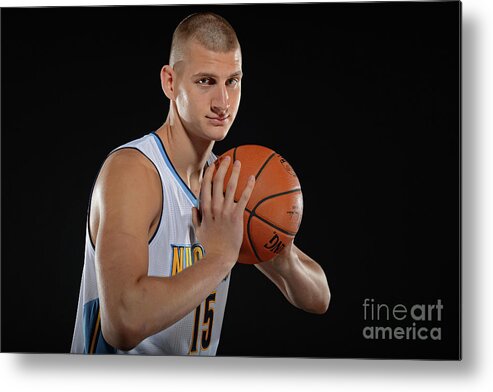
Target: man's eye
233,82
205,81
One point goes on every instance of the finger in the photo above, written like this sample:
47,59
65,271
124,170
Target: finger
195,218
247,192
233,183
218,183
206,191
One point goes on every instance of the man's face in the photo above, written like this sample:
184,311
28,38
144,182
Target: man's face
207,90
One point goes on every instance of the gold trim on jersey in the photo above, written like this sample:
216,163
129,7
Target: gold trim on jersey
185,256
95,334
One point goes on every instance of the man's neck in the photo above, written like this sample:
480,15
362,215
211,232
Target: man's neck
188,156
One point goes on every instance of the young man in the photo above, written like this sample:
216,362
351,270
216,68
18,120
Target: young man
162,237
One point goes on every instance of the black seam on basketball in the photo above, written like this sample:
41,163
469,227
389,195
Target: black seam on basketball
264,165
275,195
234,154
274,226
250,238
253,213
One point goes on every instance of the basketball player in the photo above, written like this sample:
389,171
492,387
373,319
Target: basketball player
161,236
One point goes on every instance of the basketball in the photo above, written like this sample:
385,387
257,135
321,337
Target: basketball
274,210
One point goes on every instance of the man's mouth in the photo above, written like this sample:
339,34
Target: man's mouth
218,120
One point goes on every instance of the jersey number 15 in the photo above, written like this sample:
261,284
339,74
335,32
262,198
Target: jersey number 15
207,323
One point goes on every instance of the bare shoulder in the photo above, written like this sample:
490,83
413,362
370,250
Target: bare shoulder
126,168
128,162
127,192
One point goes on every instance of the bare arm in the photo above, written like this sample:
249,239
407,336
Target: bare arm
300,279
127,202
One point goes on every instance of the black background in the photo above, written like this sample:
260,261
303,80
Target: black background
362,99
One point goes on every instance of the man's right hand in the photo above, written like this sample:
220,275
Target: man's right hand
219,223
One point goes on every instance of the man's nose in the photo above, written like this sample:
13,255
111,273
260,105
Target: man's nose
220,102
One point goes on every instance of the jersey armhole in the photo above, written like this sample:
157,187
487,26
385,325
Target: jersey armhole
94,184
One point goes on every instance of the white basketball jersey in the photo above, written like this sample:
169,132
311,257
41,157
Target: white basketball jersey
172,249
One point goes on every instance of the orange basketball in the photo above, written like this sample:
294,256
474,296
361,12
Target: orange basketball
273,213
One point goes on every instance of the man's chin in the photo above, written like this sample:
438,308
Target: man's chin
218,133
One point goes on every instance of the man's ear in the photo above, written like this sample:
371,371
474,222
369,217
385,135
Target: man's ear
167,81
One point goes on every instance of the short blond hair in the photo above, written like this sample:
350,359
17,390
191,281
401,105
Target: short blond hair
210,30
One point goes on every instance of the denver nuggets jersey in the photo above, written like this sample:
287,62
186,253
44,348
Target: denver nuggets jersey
172,249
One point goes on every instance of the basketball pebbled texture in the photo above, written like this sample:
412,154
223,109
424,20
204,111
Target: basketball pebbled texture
273,213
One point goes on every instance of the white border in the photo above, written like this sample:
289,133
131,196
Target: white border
474,373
